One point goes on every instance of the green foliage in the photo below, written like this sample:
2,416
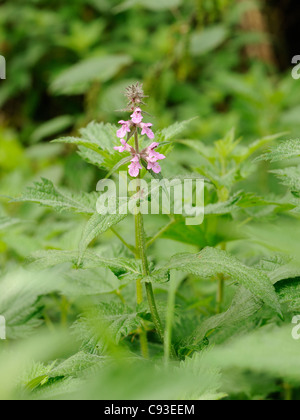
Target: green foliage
19,302
286,150
218,324
46,194
211,262
76,79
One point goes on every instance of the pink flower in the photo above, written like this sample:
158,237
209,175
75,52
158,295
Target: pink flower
154,166
137,117
125,146
134,167
125,128
152,155
146,130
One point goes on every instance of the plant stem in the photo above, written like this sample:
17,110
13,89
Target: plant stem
220,294
221,286
139,286
141,253
144,343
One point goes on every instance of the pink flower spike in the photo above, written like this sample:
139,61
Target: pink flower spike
125,129
154,166
155,156
125,146
146,130
153,146
137,117
134,167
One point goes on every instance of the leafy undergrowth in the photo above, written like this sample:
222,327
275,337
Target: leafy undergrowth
226,290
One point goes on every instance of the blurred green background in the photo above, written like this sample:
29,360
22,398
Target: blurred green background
68,63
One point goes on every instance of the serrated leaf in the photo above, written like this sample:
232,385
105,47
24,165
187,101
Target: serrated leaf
46,194
117,319
288,292
89,144
288,270
119,165
243,307
211,262
19,293
96,144
258,144
46,259
92,282
97,225
90,156
286,150
290,177
172,131
76,365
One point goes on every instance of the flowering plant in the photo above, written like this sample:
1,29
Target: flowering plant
149,155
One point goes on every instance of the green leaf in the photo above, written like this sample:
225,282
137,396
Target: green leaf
119,165
77,79
283,271
243,307
46,194
172,131
208,39
288,292
52,127
92,282
271,351
90,156
211,262
97,225
76,365
96,144
19,293
258,144
286,150
155,5
92,145
115,320
119,266
290,177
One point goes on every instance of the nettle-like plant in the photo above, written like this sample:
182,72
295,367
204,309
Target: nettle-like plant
139,298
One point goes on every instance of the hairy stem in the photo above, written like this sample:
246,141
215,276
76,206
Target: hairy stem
142,254
220,293
139,286
221,287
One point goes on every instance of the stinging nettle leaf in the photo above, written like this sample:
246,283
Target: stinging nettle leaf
211,262
286,150
46,194
119,266
290,177
243,307
97,225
